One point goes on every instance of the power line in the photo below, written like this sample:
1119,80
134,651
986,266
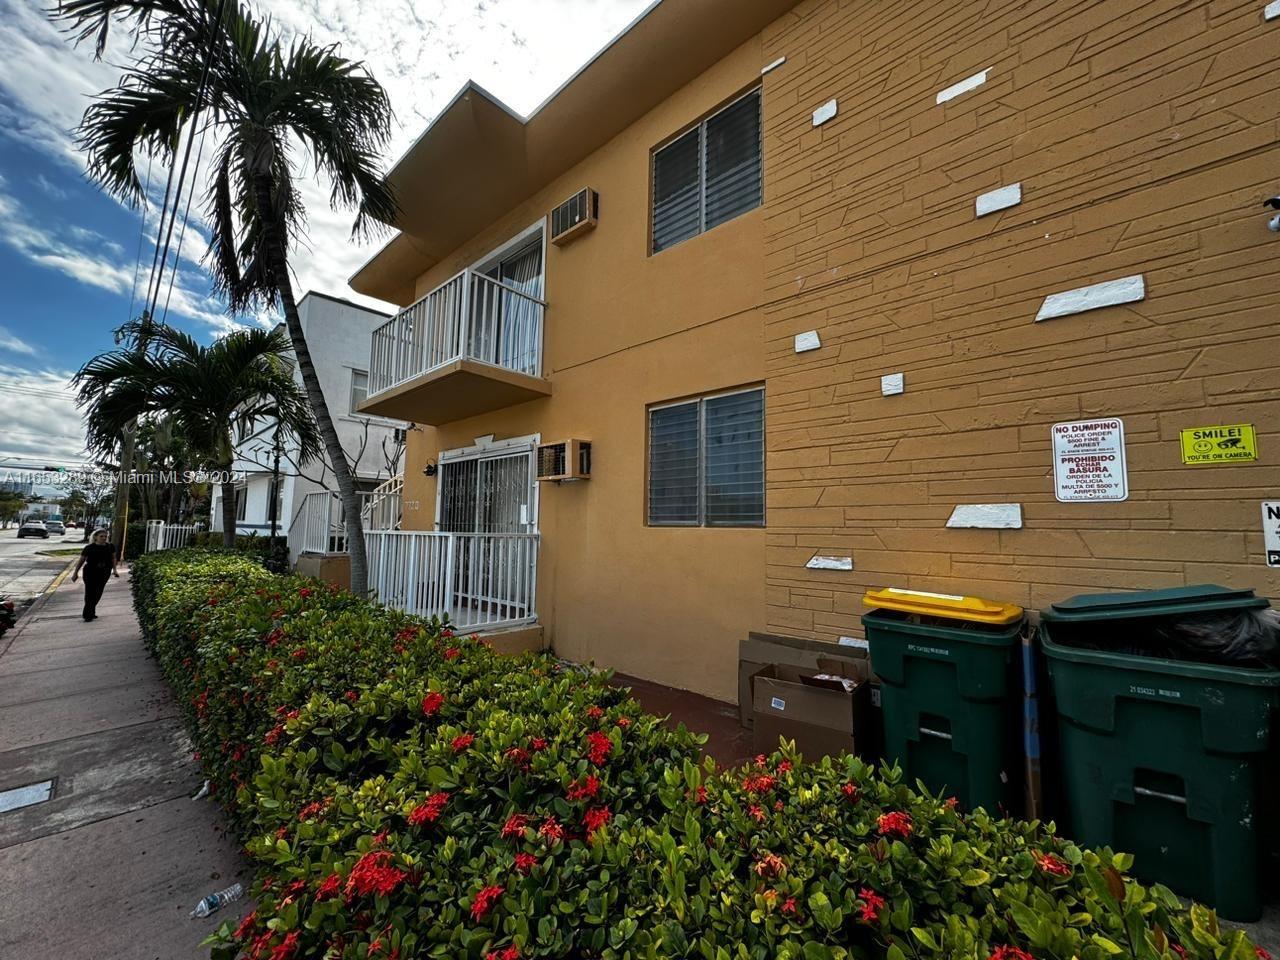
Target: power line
177,257
142,233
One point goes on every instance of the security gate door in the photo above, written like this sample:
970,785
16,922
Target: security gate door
489,494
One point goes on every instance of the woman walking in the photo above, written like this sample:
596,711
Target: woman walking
99,561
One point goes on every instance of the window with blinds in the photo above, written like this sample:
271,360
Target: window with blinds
709,175
706,462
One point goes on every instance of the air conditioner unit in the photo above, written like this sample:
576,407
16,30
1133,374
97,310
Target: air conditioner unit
575,216
566,460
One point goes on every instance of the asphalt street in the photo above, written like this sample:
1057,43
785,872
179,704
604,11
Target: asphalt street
24,572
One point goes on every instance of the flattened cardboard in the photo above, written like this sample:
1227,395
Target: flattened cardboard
821,716
759,650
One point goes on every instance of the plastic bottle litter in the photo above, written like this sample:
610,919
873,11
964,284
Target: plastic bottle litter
202,792
216,901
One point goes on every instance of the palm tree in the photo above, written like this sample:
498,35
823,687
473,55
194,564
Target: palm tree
211,394
213,62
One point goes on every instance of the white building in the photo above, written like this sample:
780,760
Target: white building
338,334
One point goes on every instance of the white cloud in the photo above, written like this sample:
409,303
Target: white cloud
14,344
103,266
39,416
422,51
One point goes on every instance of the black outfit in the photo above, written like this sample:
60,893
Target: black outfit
98,558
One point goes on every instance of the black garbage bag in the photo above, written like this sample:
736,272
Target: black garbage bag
1247,638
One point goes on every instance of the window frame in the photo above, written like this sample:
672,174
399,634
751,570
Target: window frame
701,401
701,126
241,497
352,409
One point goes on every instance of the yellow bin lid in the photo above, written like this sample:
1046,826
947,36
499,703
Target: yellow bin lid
974,609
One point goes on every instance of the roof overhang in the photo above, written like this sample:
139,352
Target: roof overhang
478,158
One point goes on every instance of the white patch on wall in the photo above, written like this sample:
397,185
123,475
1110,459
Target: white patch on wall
858,643
999,199
807,341
987,516
1094,297
773,66
830,563
824,113
964,86
891,384
1271,10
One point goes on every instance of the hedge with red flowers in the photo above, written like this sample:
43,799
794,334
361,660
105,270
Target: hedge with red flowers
408,793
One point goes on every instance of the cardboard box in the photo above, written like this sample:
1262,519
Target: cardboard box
760,650
821,716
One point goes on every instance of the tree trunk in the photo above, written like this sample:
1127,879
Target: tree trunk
229,513
120,516
279,264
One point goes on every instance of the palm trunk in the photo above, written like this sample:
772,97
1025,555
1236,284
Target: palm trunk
279,265
229,514
120,516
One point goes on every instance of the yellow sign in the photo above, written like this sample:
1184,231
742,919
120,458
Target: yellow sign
1233,443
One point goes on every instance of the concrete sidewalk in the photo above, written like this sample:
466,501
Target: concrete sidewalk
113,863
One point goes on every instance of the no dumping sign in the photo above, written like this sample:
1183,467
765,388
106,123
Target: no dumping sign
1088,461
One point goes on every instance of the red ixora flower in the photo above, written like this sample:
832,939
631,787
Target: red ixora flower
1005,952
299,654
872,904
623,722
583,789
518,756
700,796
525,862
329,887
452,653
484,901
515,826
506,953
538,744
770,865
599,746
274,734
461,742
756,813
429,810
1261,953
373,874
551,830
850,791
789,907
246,925
304,592
594,712
352,696
595,818
1052,864
764,783
895,823
285,948
432,703
314,809
784,766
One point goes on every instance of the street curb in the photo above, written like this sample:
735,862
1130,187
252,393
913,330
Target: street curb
34,607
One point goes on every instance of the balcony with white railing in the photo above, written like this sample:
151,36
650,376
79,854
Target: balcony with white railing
481,581
471,345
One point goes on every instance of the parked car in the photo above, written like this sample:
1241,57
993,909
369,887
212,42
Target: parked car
33,528
55,527
73,525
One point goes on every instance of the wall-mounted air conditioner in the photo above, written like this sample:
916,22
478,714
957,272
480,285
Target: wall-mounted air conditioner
566,460
575,216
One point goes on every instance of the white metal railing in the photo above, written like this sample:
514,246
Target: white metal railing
168,536
469,316
318,523
384,507
482,581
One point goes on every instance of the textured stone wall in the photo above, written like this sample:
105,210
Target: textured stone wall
1143,135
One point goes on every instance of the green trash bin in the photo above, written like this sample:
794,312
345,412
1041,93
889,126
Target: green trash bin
1162,758
949,669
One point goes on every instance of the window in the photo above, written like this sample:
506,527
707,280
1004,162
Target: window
706,461
359,390
242,502
275,500
709,175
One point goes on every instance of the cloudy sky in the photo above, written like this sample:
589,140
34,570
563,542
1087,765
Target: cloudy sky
69,254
